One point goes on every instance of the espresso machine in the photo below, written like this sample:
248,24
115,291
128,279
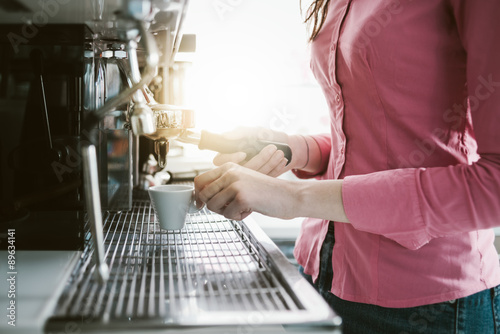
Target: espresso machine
78,118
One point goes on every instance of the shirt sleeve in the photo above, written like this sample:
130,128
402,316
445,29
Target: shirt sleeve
412,206
325,146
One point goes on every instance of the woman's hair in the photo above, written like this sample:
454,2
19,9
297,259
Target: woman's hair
315,16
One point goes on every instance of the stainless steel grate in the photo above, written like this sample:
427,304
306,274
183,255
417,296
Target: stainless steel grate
215,271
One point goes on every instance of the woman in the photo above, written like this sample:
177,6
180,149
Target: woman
410,174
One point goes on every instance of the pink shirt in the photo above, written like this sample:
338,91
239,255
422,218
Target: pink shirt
413,89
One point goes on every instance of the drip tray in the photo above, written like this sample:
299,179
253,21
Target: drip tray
213,272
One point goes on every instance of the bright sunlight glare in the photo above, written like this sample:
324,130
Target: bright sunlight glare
251,64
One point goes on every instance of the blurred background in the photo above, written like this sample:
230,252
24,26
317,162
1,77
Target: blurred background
251,67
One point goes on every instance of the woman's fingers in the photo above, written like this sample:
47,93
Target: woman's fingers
203,180
236,158
222,190
235,191
237,210
280,168
208,184
232,202
263,158
269,160
272,163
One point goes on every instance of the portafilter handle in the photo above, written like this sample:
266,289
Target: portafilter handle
219,143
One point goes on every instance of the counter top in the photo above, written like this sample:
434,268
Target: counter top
38,279
277,228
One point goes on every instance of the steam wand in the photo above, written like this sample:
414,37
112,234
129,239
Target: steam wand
93,201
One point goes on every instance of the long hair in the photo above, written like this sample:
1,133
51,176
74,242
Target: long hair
315,16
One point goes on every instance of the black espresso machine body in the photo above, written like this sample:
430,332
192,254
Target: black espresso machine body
49,84
77,115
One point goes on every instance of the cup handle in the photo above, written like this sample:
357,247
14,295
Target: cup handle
192,205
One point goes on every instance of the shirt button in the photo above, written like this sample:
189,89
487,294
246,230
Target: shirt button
334,46
337,98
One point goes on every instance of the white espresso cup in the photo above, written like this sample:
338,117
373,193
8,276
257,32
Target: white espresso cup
172,203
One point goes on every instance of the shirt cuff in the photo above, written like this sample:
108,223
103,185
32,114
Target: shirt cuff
325,147
386,203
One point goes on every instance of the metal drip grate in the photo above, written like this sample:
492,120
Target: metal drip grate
212,272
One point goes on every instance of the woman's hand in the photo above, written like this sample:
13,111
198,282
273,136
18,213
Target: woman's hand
270,160
235,192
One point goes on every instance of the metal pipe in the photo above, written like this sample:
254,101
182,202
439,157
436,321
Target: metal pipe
141,116
135,73
37,60
93,203
178,36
